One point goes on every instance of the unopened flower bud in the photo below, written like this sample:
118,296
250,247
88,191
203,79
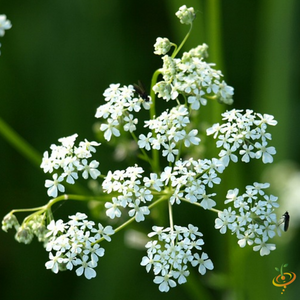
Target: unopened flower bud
162,46
24,235
186,15
9,221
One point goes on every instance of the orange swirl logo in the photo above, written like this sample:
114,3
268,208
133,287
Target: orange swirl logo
284,278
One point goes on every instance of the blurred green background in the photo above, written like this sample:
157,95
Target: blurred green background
57,60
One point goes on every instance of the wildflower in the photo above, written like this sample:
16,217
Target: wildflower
162,46
203,262
186,15
54,185
4,24
86,267
89,169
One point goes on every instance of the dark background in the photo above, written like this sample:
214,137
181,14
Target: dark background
57,60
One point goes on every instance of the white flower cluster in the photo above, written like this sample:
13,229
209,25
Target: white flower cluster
4,25
252,218
168,131
75,244
170,254
190,180
132,193
162,46
121,102
192,77
245,133
186,15
71,160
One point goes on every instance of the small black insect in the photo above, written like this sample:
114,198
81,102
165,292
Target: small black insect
285,219
139,88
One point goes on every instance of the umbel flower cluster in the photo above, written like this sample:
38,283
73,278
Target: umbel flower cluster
174,175
4,25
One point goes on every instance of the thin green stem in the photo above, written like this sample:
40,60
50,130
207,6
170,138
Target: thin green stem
152,94
42,209
19,143
155,153
198,204
171,216
163,198
183,42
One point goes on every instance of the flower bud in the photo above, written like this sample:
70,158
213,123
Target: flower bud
162,46
186,15
24,235
10,221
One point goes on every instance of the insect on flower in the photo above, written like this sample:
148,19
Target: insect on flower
139,88
285,219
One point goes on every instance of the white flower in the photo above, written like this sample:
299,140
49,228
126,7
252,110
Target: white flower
112,208
47,163
137,211
110,129
104,232
130,123
203,262
245,238
165,282
4,24
167,174
191,138
263,247
265,152
181,274
55,227
95,252
54,262
89,146
144,141
86,267
247,153
231,195
153,182
70,174
196,100
224,220
70,260
68,142
148,262
90,169
210,179
207,202
170,152
54,185
76,220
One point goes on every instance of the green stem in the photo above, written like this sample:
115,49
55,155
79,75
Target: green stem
155,153
19,143
171,216
152,94
163,198
183,42
198,204
41,209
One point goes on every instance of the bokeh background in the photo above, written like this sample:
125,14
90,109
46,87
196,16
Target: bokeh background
56,62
